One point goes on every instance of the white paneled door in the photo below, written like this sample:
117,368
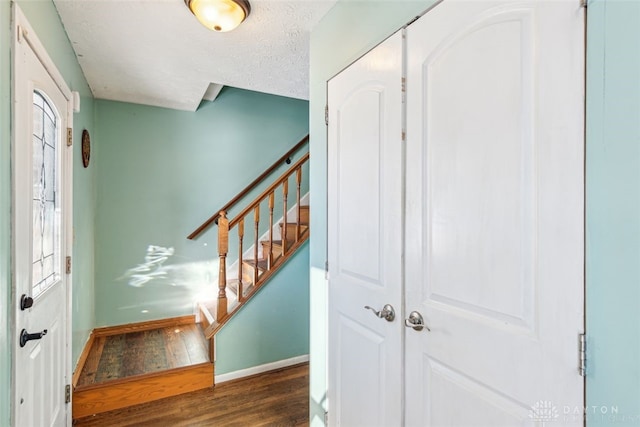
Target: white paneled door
365,215
487,203
41,234
495,213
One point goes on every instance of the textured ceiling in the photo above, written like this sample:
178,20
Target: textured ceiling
155,52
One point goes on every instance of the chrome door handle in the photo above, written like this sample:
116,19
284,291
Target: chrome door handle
416,322
387,312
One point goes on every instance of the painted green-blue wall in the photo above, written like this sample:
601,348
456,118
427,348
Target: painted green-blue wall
274,325
5,212
163,172
43,17
350,29
613,211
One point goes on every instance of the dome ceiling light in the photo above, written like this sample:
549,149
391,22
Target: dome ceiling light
219,15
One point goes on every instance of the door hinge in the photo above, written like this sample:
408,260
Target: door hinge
68,265
326,115
404,84
326,270
582,349
67,393
69,137
404,136
326,418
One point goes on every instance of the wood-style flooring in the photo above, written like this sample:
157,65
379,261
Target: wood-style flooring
276,398
136,353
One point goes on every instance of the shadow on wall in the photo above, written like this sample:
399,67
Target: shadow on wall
190,281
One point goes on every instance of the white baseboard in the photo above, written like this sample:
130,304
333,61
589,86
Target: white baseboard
260,369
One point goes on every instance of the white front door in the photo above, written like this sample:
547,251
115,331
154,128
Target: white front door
494,240
365,239
41,234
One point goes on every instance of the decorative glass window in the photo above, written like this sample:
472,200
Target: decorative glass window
46,201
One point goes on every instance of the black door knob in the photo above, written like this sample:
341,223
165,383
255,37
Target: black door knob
25,302
25,336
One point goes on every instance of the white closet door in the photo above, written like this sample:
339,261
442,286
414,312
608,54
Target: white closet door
494,242
365,239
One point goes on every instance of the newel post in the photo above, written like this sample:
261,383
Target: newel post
223,247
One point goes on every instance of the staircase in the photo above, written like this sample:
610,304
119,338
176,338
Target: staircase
130,364
255,272
272,242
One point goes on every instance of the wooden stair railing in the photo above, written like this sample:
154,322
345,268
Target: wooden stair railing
253,273
248,188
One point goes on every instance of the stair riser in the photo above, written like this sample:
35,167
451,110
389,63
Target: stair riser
304,214
205,317
123,394
249,270
277,250
247,280
291,230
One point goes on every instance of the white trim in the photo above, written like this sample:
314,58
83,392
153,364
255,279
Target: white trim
242,373
24,32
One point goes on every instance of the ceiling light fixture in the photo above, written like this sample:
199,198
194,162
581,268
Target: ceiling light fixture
219,15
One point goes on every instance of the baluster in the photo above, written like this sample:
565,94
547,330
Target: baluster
270,254
240,268
285,192
223,247
298,181
256,218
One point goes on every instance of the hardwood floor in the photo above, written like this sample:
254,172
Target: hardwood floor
276,398
136,353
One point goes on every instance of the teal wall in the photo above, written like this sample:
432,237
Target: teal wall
161,173
350,29
5,212
274,325
44,19
613,210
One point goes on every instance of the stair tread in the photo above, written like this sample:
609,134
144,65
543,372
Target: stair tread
232,284
261,264
277,242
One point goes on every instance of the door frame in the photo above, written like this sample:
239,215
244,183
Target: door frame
23,32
